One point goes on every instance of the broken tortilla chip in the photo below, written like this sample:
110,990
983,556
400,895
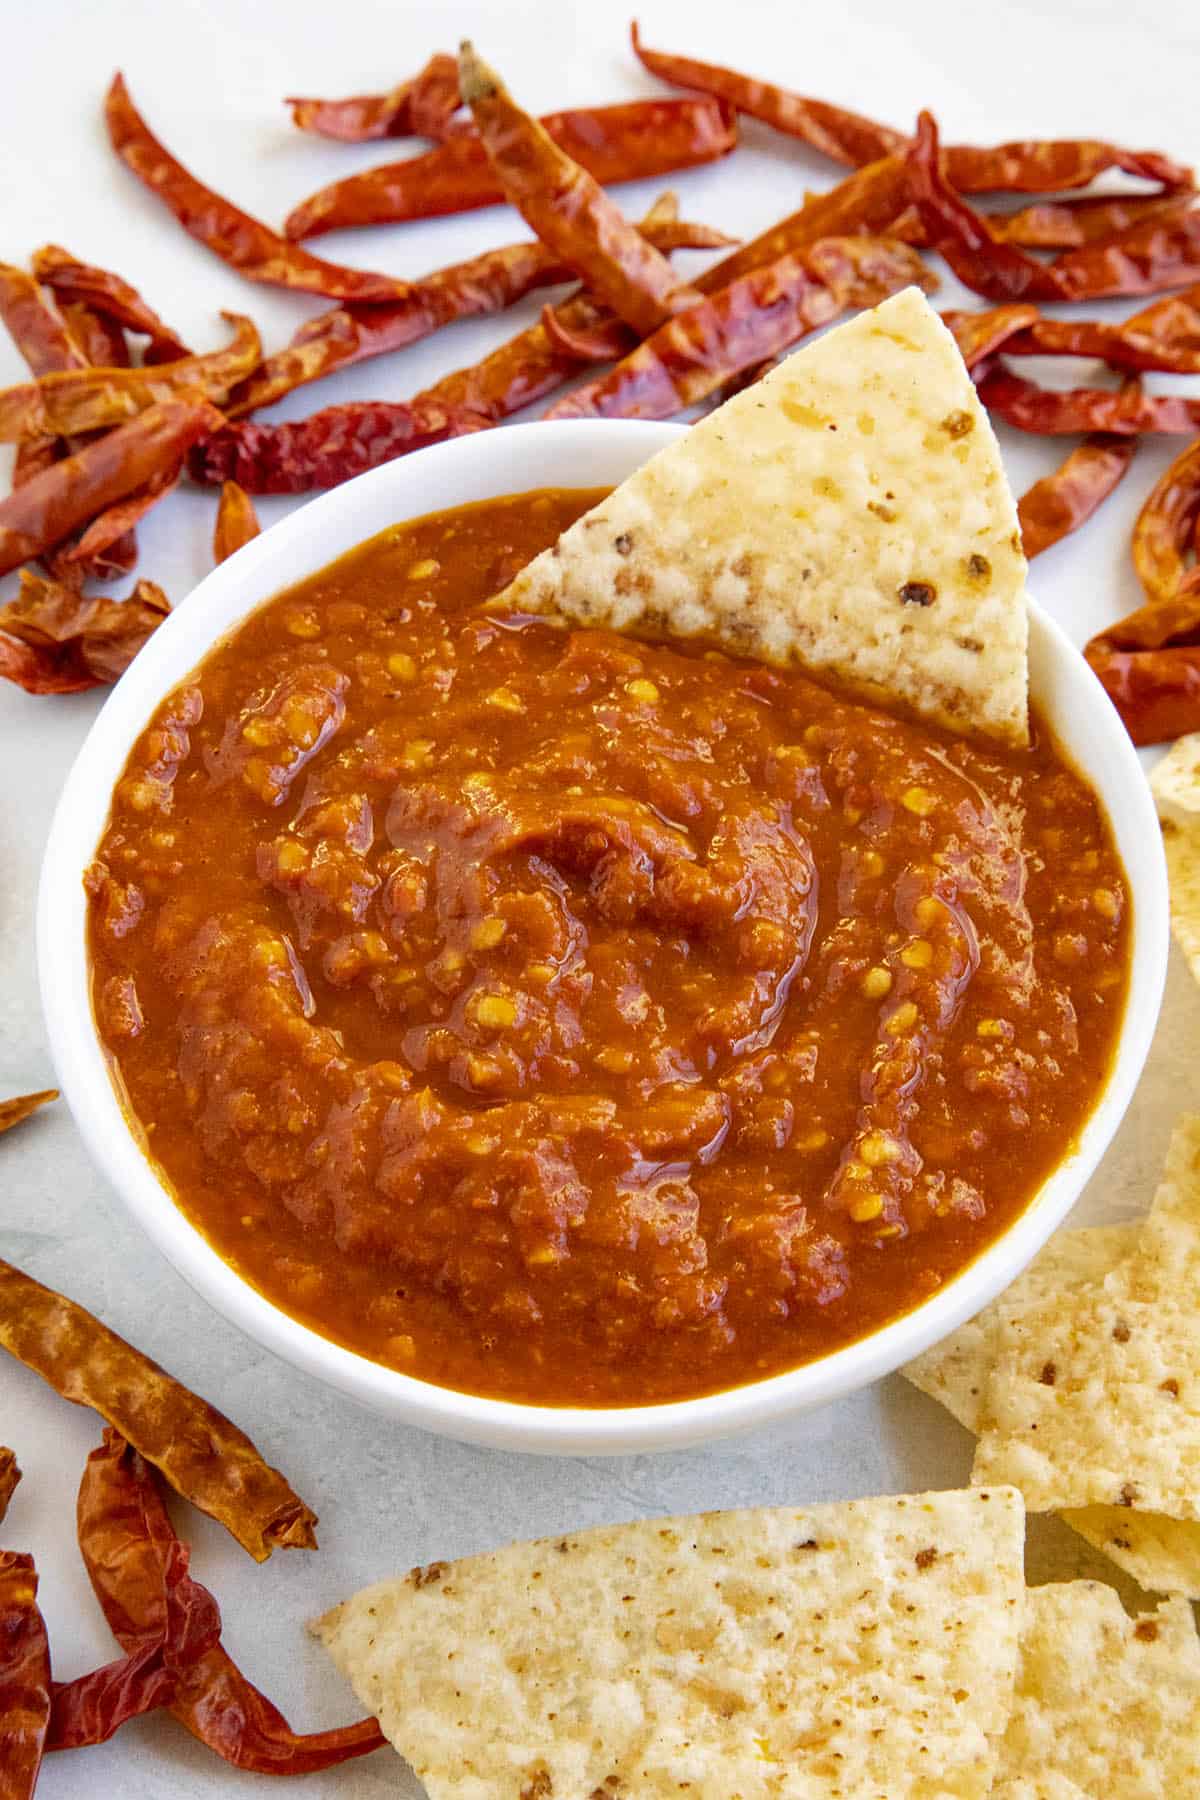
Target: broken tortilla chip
1176,786
1104,1704
1092,1404
956,1370
853,1649
848,513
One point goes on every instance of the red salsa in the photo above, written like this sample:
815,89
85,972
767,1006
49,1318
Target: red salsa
573,1019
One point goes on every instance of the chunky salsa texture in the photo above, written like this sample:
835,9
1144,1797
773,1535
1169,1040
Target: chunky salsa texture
580,1020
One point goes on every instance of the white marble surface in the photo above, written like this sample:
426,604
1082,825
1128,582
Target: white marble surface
209,75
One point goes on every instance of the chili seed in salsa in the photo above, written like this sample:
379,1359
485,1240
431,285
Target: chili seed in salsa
580,1020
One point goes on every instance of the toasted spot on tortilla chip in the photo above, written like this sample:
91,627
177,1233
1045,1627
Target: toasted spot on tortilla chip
856,1649
751,530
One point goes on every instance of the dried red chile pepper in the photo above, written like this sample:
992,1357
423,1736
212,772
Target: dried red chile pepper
72,281
236,524
245,244
1052,413
70,402
45,510
129,1548
56,640
1030,166
420,107
636,139
487,283
567,208
744,324
1066,499
24,1678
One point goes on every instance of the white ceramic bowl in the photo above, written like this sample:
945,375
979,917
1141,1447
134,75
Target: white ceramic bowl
579,454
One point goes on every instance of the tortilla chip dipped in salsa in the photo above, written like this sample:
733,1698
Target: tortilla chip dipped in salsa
1081,1382
848,512
855,1649
593,1007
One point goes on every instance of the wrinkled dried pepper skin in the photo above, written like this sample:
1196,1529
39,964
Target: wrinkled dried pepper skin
325,449
245,244
130,1551
1166,528
1156,692
54,639
483,284
107,294
744,324
1027,166
45,510
1051,413
236,524
420,107
35,325
200,1452
846,137
24,1678
566,208
70,402
636,139
1066,499
864,204
16,1111
1148,257
982,261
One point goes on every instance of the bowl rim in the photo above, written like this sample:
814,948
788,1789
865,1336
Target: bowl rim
241,585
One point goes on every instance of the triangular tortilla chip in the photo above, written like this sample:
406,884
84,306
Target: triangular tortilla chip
1106,1707
1176,785
859,1649
1093,1400
848,513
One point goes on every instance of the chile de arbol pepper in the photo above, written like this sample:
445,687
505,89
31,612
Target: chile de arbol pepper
1032,167
245,244
1066,499
70,280
91,1708
236,522
54,639
1149,662
78,400
1157,253
23,1106
483,284
128,1543
1066,224
1167,527
981,260
327,447
202,1453
24,1678
1050,412
35,324
420,107
846,137
567,208
45,510
743,324
636,139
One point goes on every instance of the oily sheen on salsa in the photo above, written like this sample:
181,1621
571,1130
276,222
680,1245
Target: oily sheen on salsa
574,1019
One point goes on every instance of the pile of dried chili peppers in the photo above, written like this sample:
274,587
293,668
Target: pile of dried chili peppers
167,1625
118,409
